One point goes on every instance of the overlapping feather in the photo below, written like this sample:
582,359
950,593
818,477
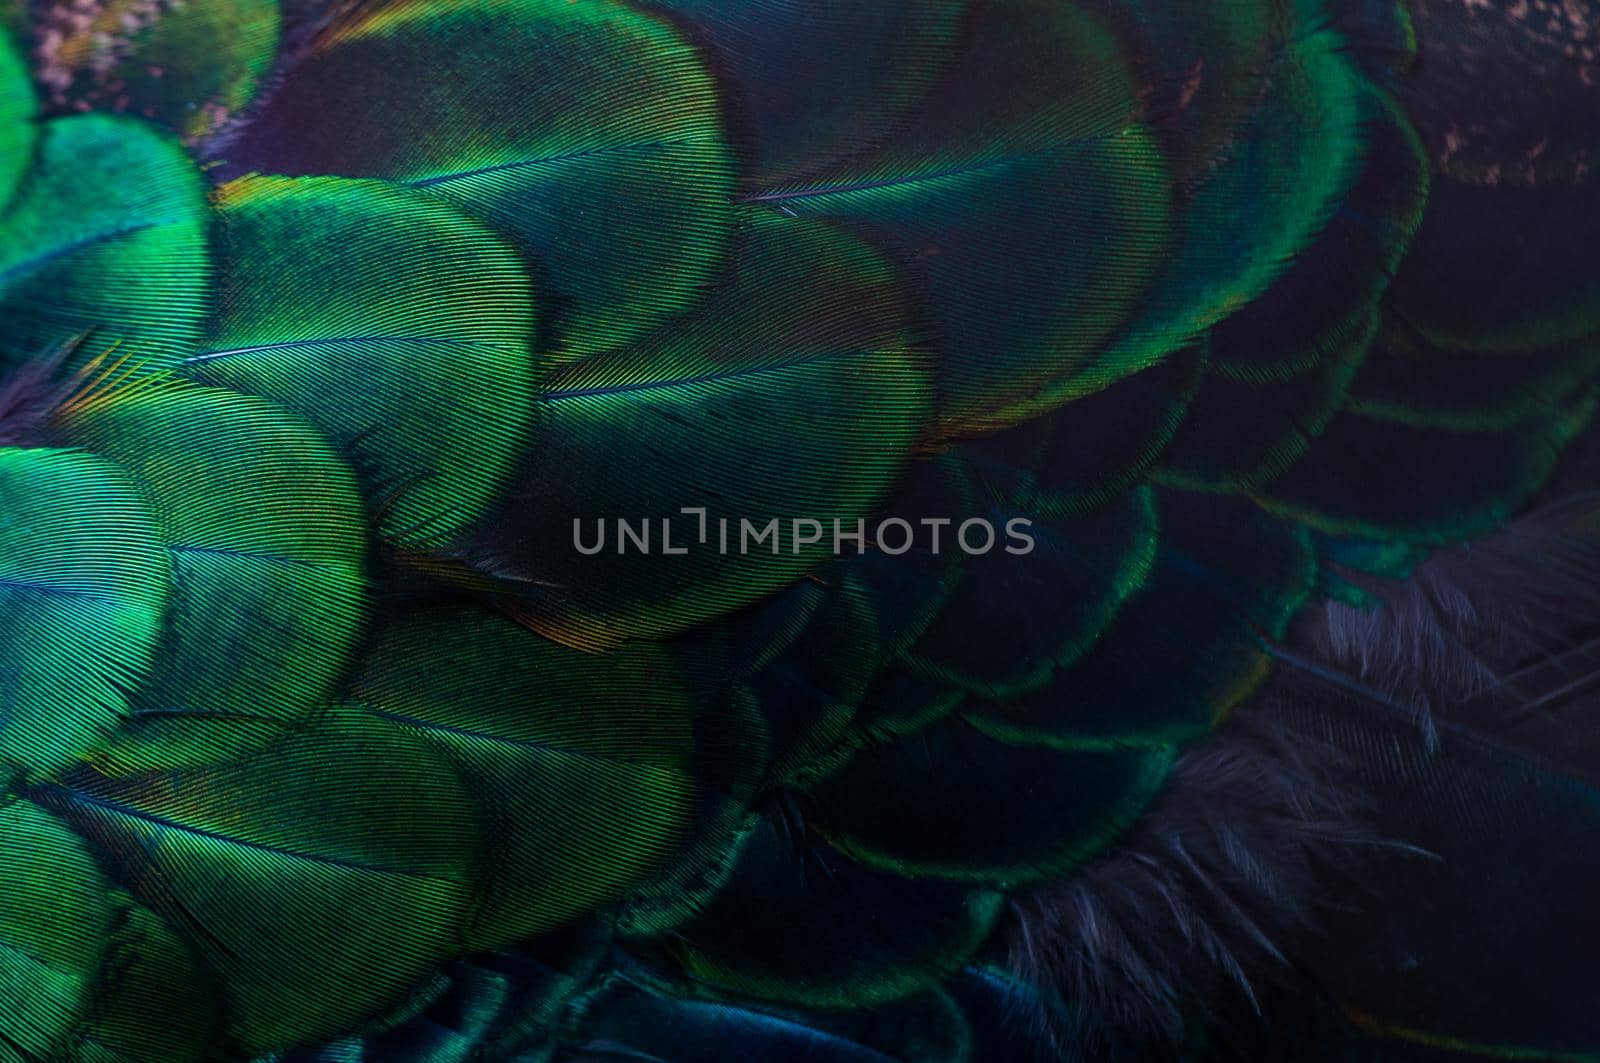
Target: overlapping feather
313,692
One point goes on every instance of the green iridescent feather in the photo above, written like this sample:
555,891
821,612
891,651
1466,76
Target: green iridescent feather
1044,164
395,324
17,130
804,82
581,763
285,869
327,739
599,152
1103,557
1319,310
84,585
1217,450
1205,67
1235,576
105,238
778,933
55,913
808,332
1418,500
147,970
1409,380
928,807
265,537
1273,186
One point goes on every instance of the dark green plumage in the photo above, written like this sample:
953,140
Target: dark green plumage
601,132
261,530
809,330
84,585
262,861
388,670
54,931
104,237
411,347
586,783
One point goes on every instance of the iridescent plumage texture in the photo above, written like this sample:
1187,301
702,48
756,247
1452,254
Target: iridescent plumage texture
332,330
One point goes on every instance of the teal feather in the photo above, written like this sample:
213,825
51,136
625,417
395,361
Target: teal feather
605,135
105,237
334,329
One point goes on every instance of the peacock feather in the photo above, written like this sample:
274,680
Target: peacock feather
955,530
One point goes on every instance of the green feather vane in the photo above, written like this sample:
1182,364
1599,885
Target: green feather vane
17,130
263,531
84,585
315,912
581,763
1044,165
809,332
599,151
104,238
395,324
55,917
446,448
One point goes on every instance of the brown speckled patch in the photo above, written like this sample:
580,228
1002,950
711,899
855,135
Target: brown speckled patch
1507,90
80,46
